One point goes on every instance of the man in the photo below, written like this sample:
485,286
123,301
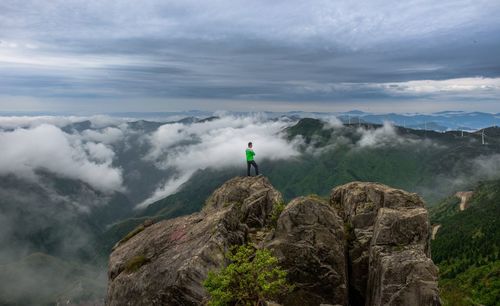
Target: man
250,162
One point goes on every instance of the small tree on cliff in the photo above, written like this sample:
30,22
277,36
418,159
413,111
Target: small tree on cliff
252,277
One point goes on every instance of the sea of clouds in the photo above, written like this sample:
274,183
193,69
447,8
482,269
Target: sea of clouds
31,144
215,144
49,143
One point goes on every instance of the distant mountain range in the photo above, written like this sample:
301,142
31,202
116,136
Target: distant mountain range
438,121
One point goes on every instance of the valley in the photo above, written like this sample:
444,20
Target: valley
72,225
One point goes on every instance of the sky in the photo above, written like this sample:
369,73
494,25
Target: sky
95,56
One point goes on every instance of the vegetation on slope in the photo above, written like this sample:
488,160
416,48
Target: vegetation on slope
467,248
415,160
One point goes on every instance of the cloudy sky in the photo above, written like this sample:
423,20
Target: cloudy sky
157,55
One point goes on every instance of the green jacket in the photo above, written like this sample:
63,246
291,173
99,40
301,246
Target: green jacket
250,154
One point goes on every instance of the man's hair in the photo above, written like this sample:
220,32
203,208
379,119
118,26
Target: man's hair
249,144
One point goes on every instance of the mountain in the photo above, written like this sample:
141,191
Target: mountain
440,121
428,126
144,126
347,250
467,247
71,219
427,162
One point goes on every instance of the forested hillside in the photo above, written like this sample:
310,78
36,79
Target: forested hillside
430,163
467,247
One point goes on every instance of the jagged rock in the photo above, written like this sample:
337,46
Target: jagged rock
255,196
360,201
401,271
309,241
368,246
167,262
402,227
402,277
389,253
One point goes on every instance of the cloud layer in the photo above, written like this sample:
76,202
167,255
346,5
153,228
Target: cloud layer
46,147
117,154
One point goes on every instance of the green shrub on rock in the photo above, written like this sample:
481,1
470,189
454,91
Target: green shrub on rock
252,277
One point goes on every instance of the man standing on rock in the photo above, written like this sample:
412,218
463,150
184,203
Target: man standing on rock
250,161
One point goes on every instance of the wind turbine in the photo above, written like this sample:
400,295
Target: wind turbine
482,136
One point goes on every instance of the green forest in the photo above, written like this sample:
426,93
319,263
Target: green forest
467,247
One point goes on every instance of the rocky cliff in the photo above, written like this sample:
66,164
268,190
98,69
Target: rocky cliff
367,245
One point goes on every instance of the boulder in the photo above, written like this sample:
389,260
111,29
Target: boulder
309,241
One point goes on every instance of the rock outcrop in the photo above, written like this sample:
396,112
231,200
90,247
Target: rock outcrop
464,197
166,263
389,245
367,245
309,241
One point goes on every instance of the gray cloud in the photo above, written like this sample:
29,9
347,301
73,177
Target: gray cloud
281,52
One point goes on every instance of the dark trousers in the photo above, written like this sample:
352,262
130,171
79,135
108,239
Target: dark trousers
254,164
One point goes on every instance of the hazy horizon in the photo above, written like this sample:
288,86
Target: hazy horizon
199,112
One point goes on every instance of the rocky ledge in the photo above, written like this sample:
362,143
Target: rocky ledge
367,245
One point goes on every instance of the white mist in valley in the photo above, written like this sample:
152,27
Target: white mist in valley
215,144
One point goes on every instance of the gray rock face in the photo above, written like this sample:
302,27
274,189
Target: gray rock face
402,277
389,250
254,196
401,271
166,263
369,245
309,241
